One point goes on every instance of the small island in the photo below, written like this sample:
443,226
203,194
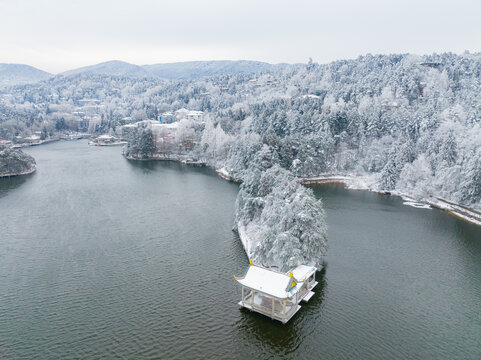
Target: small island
14,162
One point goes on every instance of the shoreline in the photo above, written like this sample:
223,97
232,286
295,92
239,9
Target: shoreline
50,140
191,162
224,174
28,172
459,211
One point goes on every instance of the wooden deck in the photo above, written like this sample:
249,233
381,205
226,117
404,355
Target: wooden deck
306,293
308,296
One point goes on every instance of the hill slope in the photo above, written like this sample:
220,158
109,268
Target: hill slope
17,74
197,69
114,68
178,70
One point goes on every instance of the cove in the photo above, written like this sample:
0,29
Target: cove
102,257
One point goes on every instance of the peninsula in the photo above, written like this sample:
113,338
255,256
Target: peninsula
15,162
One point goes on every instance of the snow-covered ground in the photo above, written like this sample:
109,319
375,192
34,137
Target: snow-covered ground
457,210
246,242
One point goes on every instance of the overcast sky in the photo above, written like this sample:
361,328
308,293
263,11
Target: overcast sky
57,35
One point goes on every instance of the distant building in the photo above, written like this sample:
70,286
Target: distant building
188,114
164,136
271,80
167,117
126,129
33,139
181,113
106,140
195,115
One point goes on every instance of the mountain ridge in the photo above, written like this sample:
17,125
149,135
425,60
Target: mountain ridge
19,74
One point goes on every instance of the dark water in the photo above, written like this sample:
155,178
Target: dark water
105,258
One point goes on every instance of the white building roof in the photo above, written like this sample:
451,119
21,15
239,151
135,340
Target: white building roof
174,125
33,137
183,110
302,272
269,282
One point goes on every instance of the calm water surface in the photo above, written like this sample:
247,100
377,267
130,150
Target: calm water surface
101,257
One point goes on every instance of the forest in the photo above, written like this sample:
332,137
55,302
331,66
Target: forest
399,123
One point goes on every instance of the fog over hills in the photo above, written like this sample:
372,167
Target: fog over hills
113,68
17,74
177,70
197,69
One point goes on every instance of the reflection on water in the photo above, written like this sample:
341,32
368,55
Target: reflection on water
10,183
145,166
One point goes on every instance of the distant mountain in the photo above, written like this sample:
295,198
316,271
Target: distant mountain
114,68
17,74
178,70
197,69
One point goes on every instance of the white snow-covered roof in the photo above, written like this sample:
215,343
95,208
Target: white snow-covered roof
173,125
33,137
302,272
183,110
269,282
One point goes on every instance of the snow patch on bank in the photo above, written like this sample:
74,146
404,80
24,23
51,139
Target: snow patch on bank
226,175
456,210
368,182
247,243
417,205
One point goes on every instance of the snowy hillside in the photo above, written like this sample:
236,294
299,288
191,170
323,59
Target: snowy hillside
198,69
16,74
398,123
178,70
113,68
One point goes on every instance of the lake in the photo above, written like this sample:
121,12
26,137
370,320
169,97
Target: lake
101,257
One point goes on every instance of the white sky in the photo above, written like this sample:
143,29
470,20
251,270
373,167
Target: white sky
58,35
